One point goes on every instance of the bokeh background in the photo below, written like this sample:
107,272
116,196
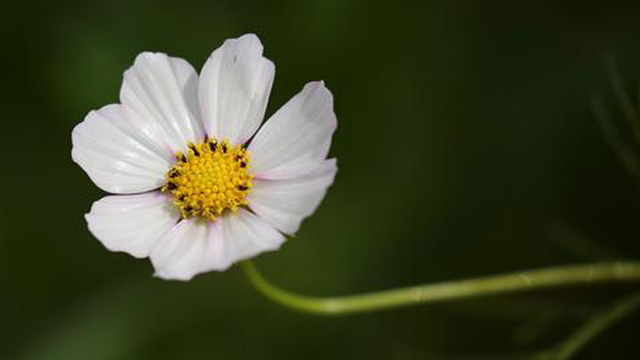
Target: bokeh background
466,146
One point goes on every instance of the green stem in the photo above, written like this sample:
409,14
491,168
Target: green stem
572,275
592,328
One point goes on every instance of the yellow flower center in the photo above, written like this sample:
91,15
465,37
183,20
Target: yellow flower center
211,178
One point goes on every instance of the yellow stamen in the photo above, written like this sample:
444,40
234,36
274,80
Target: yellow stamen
211,178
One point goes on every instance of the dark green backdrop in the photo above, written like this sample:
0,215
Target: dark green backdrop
466,146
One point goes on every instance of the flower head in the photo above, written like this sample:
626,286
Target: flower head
200,184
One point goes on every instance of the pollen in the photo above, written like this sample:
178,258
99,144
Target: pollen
211,178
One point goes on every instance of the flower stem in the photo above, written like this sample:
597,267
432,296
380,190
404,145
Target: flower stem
571,275
592,328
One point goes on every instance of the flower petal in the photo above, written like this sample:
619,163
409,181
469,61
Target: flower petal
285,203
121,151
234,88
297,136
179,254
132,223
241,235
195,246
165,90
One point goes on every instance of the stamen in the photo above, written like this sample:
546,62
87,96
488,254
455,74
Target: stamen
209,179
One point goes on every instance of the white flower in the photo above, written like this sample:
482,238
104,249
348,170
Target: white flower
196,190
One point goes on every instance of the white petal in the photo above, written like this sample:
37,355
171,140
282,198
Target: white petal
132,223
299,166
239,236
165,90
195,246
179,254
285,203
234,88
297,136
121,150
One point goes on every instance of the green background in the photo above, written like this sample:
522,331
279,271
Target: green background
466,146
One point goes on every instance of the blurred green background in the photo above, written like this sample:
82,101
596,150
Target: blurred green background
466,146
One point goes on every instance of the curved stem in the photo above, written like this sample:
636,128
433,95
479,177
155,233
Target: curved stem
572,275
592,328
598,325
